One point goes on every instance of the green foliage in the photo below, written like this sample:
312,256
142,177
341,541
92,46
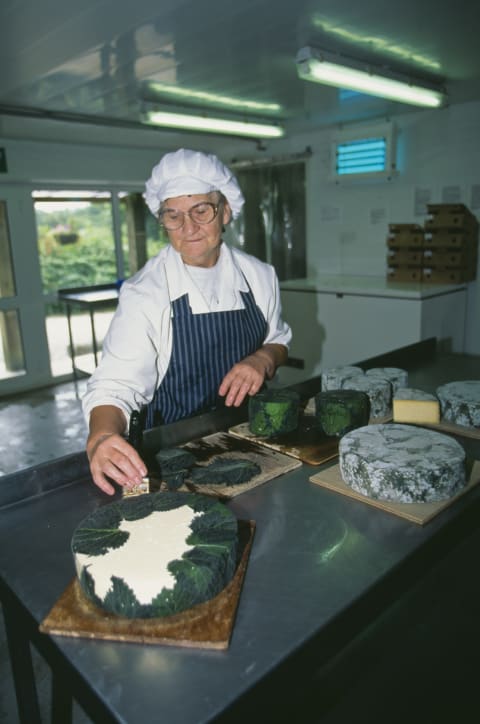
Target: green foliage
225,471
121,600
99,532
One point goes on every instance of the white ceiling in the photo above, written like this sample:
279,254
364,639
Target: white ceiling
94,60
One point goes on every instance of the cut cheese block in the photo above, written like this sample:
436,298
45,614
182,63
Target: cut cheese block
415,406
402,464
379,391
460,402
273,412
157,554
334,377
338,411
397,376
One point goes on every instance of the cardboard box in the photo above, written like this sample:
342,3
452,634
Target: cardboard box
405,236
448,259
450,216
451,239
448,276
404,274
404,257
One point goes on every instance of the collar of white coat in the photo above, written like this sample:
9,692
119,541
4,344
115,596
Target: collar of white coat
231,282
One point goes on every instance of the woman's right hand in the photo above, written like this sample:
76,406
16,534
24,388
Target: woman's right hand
111,457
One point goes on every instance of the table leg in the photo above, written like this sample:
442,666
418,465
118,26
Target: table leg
62,702
70,337
22,666
94,338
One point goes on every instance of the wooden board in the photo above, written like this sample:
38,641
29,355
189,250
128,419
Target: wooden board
420,513
208,625
223,445
453,429
306,443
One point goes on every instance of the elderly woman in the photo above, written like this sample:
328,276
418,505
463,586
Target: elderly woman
198,321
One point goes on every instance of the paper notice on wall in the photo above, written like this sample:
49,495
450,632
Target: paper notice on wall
377,216
330,213
451,195
421,199
475,197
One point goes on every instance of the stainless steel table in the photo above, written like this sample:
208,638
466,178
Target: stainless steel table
322,570
101,296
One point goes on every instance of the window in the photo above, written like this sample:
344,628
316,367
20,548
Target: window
364,153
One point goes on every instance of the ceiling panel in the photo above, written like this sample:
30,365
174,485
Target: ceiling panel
101,58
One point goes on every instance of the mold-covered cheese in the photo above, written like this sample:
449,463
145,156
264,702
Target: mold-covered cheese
334,377
402,464
338,411
395,375
460,402
273,412
379,391
157,554
415,406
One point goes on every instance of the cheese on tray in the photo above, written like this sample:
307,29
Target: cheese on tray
415,406
402,464
460,402
155,555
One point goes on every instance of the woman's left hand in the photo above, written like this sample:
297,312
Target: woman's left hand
245,378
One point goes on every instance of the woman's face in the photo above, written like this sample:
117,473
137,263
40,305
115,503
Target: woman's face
198,244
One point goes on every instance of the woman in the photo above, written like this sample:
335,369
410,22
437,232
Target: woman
198,321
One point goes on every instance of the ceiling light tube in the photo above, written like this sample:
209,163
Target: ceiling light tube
215,125
324,67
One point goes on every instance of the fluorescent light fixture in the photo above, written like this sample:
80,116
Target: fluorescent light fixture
214,125
324,67
154,91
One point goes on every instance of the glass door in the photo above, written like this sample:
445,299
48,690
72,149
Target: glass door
24,360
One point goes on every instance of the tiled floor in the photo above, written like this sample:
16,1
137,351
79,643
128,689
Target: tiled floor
34,428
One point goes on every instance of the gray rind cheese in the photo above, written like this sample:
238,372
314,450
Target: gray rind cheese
402,464
334,377
460,402
411,393
397,376
379,391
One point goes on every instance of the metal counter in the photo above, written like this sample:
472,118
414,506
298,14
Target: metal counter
321,569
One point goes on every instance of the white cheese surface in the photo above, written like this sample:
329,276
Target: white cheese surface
154,541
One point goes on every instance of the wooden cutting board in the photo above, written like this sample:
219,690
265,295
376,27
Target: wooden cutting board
307,443
223,445
420,513
208,625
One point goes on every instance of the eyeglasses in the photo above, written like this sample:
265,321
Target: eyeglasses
202,213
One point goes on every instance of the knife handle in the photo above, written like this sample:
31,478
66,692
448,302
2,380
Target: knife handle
135,430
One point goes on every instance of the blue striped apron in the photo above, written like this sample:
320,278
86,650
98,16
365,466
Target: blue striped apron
205,347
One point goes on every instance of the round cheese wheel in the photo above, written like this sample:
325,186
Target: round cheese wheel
334,377
397,376
273,412
460,402
155,555
379,391
402,463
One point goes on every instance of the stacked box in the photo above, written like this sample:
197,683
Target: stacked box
450,253
405,252
443,251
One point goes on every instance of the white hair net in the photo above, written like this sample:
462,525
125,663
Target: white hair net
185,172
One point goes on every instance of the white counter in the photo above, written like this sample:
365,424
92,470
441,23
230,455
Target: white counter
370,286
340,320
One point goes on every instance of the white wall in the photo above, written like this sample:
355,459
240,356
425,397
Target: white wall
436,150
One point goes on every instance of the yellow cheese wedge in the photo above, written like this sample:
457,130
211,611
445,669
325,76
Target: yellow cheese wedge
422,412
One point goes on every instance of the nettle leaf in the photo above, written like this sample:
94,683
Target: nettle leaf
138,507
169,501
121,599
225,471
97,541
